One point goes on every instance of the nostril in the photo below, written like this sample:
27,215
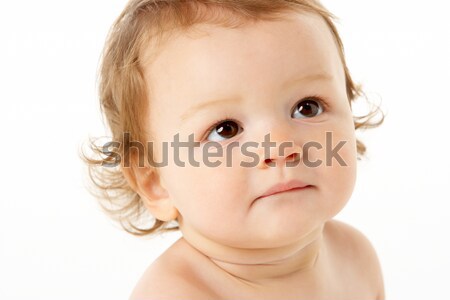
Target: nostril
268,161
292,157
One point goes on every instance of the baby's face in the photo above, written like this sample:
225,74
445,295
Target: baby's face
235,86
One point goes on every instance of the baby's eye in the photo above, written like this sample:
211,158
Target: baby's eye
307,109
223,131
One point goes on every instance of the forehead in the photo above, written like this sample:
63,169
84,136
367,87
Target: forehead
210,61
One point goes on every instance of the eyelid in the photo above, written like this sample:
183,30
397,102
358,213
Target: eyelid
317,98
216,123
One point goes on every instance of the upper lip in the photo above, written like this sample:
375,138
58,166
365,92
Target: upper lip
283,187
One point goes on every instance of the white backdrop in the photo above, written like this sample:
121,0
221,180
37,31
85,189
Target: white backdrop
56,244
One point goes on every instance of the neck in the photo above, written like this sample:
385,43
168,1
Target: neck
264,265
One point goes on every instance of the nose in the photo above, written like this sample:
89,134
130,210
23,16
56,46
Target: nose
277,150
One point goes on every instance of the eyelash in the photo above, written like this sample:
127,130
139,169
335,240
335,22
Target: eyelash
320,100
316,98
216,123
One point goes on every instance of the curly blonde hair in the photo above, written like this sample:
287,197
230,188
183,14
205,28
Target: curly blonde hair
123,92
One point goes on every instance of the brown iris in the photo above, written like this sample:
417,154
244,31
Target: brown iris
308,108
227,129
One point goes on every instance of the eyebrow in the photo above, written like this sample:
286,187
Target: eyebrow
310,77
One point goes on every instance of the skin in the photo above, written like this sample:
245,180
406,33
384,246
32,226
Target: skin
234,245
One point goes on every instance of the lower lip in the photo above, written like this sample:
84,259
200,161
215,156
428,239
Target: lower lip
291,190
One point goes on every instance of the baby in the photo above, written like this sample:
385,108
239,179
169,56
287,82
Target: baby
232,121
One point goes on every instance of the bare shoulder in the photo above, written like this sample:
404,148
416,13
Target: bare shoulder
169,277
356,248
157,284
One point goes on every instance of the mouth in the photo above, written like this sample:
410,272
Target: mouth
292,185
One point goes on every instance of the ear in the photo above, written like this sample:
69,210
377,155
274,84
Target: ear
146,182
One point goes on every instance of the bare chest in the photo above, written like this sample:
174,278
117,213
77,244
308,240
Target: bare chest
343,281
347,288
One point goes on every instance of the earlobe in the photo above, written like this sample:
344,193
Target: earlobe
147,183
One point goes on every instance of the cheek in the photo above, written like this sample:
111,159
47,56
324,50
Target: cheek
208,195
338,171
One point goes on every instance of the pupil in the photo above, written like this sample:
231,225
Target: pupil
227,129
308,109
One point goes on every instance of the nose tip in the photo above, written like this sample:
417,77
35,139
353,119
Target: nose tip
285,153
290,158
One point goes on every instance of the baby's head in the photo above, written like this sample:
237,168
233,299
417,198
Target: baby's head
230,98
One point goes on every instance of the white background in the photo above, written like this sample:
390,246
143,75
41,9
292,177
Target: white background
56,244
